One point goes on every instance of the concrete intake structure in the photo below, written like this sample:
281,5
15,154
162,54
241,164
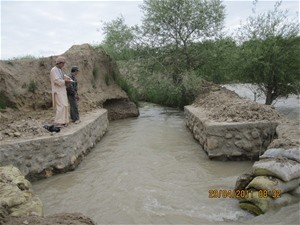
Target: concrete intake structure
42,157
230,140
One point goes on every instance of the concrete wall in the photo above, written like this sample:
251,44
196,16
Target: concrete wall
234,140
44,156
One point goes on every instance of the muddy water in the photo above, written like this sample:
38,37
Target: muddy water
150,170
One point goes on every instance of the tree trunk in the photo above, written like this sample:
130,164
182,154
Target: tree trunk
268,99
187,56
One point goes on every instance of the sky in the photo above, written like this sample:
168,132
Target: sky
47,28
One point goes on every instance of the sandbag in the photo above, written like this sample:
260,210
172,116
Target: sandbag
281,168
250,207
273,185
293,153
257,204
296,192
256,199
285,199
243,180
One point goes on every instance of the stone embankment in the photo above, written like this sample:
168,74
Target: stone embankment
229,140
228,127
42,157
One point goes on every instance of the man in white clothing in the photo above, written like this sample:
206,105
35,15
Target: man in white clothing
59,93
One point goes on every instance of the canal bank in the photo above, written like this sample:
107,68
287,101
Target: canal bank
54,153
150,170
229,127
146,170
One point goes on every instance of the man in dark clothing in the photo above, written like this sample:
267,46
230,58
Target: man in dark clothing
73,95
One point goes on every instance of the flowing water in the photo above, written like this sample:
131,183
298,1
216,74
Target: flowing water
150,170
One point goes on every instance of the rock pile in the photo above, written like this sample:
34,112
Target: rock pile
28,128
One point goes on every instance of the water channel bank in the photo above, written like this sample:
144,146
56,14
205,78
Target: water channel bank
150,170
229,140
42,157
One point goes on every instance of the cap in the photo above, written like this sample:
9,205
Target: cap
60,59
74,68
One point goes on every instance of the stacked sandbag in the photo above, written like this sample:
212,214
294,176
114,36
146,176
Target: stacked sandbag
17,197
274,181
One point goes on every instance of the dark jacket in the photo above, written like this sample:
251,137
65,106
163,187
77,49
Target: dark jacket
72,86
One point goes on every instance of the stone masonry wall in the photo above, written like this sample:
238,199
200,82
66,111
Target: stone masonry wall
44,156
229,140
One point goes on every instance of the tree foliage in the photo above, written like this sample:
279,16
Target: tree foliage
182,41
270,54
119,39
177,23
214,60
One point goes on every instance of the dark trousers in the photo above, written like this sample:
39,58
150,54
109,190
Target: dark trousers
74,114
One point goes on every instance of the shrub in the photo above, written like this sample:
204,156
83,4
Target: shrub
95,73
32,87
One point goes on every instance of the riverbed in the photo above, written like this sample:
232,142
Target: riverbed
150,170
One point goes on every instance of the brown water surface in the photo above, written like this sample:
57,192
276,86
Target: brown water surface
150,170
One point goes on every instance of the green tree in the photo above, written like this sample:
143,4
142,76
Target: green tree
270,54
119,39
215,59
177,23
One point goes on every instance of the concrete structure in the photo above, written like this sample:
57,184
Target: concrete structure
42,157
230,140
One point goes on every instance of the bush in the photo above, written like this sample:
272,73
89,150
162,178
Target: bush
32,87
129,89
4,101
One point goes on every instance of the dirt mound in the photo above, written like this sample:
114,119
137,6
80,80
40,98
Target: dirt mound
225,105
25,83
25,90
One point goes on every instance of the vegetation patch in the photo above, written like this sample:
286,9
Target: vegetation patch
4,101
96,73
32,87
180,43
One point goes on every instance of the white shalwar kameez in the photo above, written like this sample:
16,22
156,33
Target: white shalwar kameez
59,96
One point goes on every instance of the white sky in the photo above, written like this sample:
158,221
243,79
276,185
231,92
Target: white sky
45,28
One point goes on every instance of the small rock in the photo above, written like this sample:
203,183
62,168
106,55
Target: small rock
228,136
60,166
17,134
61,155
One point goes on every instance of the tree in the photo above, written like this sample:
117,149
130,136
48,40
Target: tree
270,54
177,23
119,38
216,59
